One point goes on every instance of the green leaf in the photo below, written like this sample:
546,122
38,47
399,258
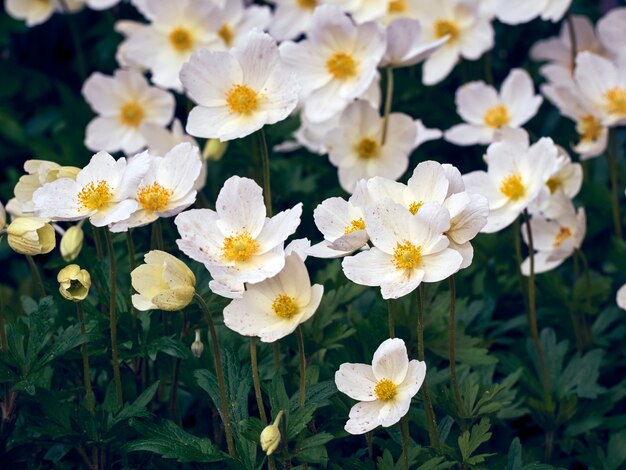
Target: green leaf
137,408
39,321
616,451
170,347
470,440
514,458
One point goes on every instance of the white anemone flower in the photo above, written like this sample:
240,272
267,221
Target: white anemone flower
233,21
404,48
469,34
167,188
292,18
236,242
408,249
274,308
237,92
101,191
356,147
337,62
125,103
487,112
611,28
523,11
35,12
621,297
515,176
384,389
362,11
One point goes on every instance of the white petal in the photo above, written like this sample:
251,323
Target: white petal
364,417
357,381
391,361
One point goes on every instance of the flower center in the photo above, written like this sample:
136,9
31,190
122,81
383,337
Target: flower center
415,206
239,247
341,66
131,114
181,39
226,34
93,196
153,198
512,187
284,306
354,225
446,28
386,390
242,99
307,4
617,101
368,148
396,6
554,184
564,234
497,116
406,255
589,128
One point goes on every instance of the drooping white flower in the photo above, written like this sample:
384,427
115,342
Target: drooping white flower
523,11
515,176
237,92
273,309
292,18
35,12
621,297
234,20
488,112
408,249
336,63
167,188
125,104
101,191
356,147
236,242
469,35
404,48
384,389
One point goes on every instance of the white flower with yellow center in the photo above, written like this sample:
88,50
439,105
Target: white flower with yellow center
125,104
176,30
101,191
362,10
469,35
167,188
273,309
404,48
236,242
233,21
602,84
239,91
356,146
384,389
408,249
515,176
35,12
523,11
292,17
487,112
336,63
611,28
555,239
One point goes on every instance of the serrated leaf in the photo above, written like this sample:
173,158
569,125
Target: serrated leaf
137,408
470,440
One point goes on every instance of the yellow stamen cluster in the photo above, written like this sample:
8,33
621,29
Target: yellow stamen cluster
368,148
284,306
616,98
589,128
397,6
226,34
154,197
564,234
554,184
415,206
181,39
239,247
386,390
512,187
446,28
406,256
497,116
242,99
131,114
307,4
357,224
93,196
341,66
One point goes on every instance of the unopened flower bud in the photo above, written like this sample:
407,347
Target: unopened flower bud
270,436
72,243
3,216
74,283
197,347
214,149
31,236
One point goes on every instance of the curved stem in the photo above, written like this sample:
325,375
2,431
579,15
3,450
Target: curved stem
388,101
219,372
302,365
91,401
572,40
392,328
256,380
614,173
265,159
37,275
113,320
404,429
454,383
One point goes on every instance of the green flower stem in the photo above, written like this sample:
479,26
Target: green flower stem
388,101
256,380
91,400
265,159
588,337
404,429
572,39
97,242
614,173
431,419
113,320
302,365
392,327
370,445
454,383
37,276
276,355
219,372
132,264
157,235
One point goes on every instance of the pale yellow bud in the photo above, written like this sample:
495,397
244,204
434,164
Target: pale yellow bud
3,217
74,283
197,348
214,149
163,283
72,243
31,236
270,436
